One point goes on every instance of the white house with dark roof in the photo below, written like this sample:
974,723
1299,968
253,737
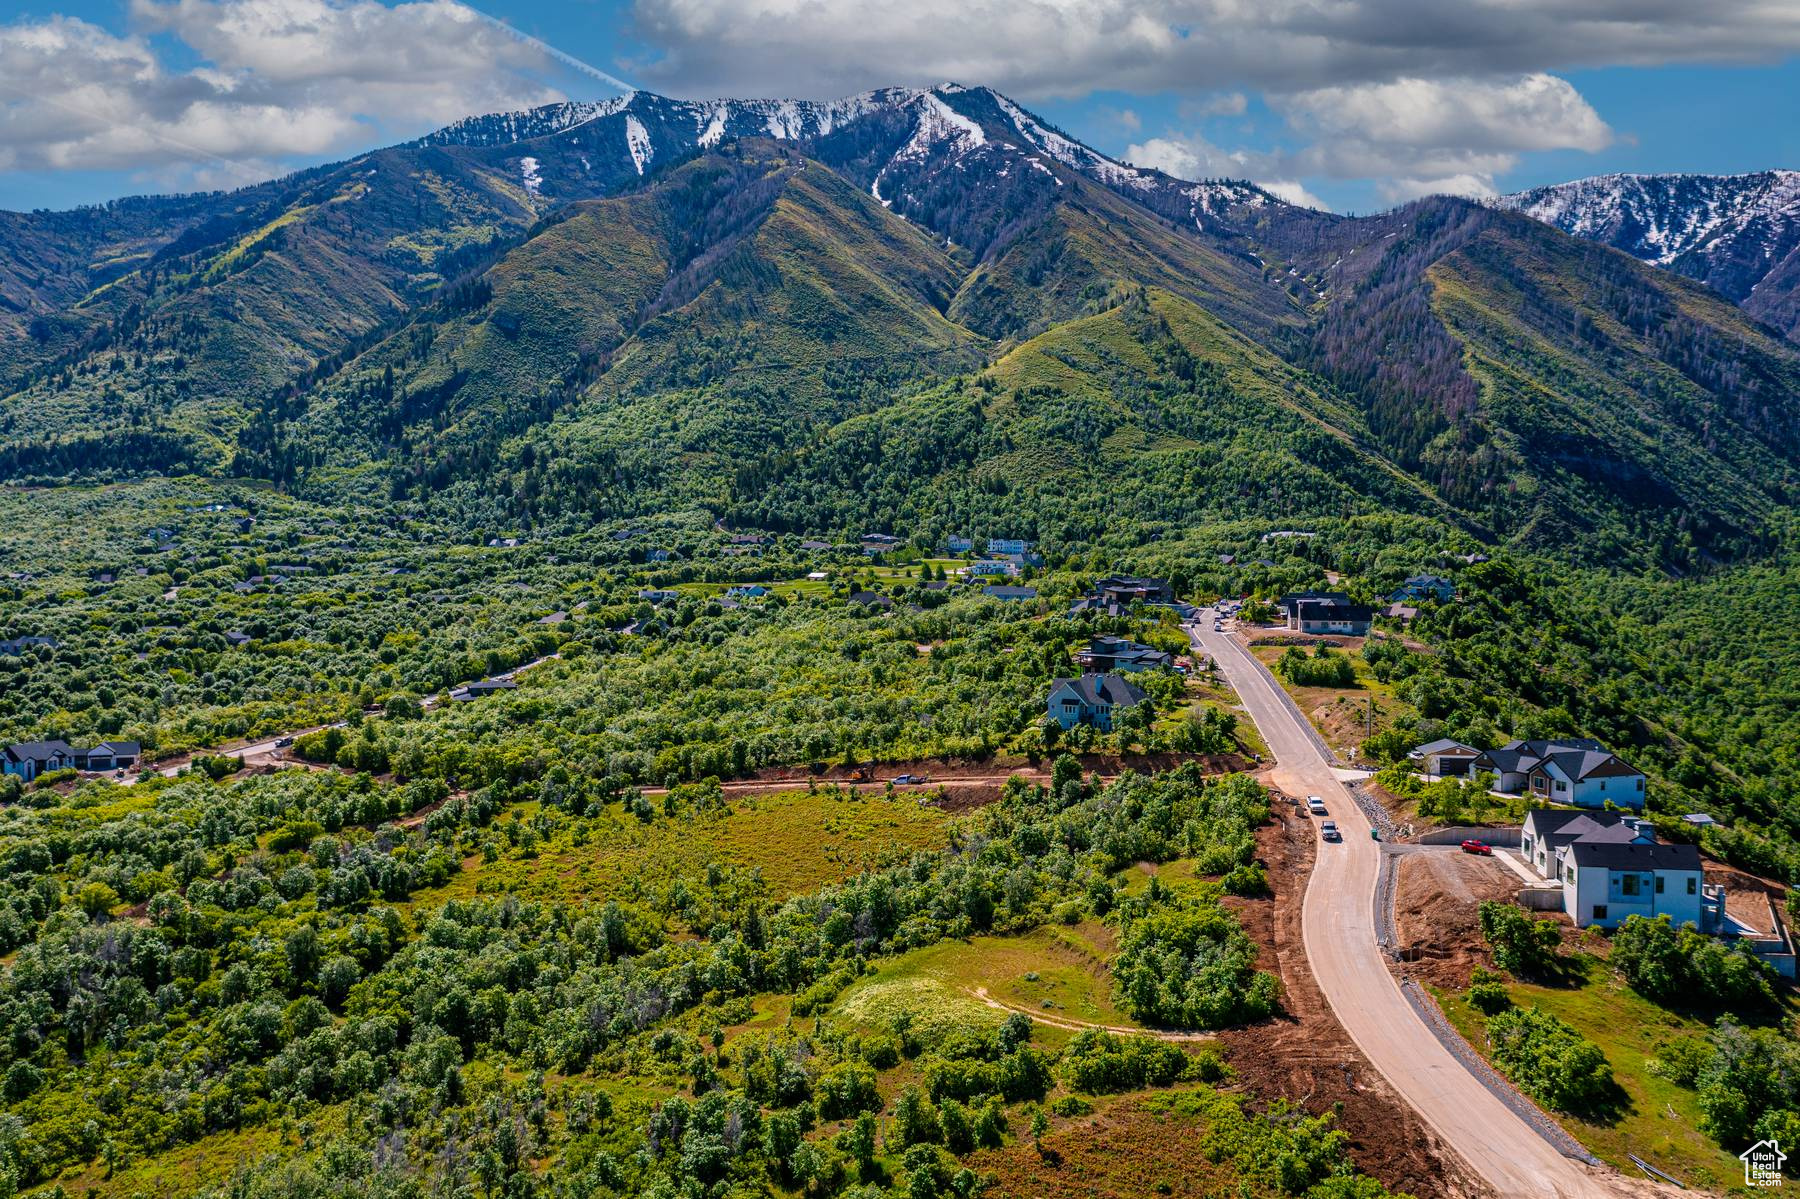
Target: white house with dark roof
1091,699
1444,757
1612,866
1574,771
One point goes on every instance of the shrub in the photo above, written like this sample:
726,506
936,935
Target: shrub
1521,945
1101,1062
1550,1061
1684,968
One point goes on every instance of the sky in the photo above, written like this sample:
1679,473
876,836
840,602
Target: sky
1354,105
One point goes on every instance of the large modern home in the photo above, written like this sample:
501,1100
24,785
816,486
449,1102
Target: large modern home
1106,654
1325,612
30,759
1091,699
1574,771
1611,866
1115,594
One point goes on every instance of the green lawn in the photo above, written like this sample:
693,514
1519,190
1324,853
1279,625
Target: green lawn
1661,1121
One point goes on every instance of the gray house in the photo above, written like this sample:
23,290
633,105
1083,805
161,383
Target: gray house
1091,699
1326,612
30,759
1105,654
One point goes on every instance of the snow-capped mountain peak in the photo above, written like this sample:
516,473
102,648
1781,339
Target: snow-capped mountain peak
1740,234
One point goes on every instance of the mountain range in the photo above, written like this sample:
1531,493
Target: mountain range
918,305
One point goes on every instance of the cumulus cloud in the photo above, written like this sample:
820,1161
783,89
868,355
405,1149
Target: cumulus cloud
1411,93
1054,48
276,79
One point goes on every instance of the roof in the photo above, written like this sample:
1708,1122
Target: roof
1001,591
1329,597
1578,757
1443,745
118,749
28,751
1101,690
1633,856
1569,821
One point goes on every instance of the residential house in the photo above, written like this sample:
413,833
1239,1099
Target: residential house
1105,654
108,755
1115,594
237,638
659,596
1612,866
1001,591
1091,699
659,555
1424,587
871,599
476,690
1574,771
1325,612
1008,545
813,545
31,759
1022,559
879,543
747,591
1444,757
748,539
957,544
13,647
991,568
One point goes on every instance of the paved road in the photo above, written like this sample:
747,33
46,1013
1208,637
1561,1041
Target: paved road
1339,932
268,746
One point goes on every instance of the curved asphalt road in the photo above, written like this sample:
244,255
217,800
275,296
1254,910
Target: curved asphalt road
1339,928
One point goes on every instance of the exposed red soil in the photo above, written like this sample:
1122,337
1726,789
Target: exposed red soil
1437,918
1306,1056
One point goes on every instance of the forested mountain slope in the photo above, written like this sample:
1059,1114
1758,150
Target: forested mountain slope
1739,234
614,308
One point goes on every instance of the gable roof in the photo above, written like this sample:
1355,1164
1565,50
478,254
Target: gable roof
1638,855
38,751
1100,690
1443,745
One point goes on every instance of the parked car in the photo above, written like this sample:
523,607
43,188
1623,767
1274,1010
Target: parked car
1480,847
1315,805
283,742
901,780
1328,829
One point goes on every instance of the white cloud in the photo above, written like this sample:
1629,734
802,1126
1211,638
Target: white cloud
1043,48
1410,93
276,79
1293,193
1412,136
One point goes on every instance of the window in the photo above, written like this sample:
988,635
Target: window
1599,911
1561,786
1628,884
1659,884
1690,886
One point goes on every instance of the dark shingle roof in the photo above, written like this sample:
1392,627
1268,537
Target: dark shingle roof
1102,689
1634,856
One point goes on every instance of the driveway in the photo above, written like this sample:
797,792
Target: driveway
1339,933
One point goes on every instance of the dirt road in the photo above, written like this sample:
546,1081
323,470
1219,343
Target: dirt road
1339,934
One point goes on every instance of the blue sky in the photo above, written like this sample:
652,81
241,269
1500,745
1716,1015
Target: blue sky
1354,105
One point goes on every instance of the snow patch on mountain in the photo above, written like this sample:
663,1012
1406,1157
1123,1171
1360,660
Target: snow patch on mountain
637,140
1659,218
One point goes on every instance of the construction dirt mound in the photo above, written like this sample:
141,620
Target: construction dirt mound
1437,905
1306,1057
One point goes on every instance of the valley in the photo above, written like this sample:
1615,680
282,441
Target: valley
666,648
